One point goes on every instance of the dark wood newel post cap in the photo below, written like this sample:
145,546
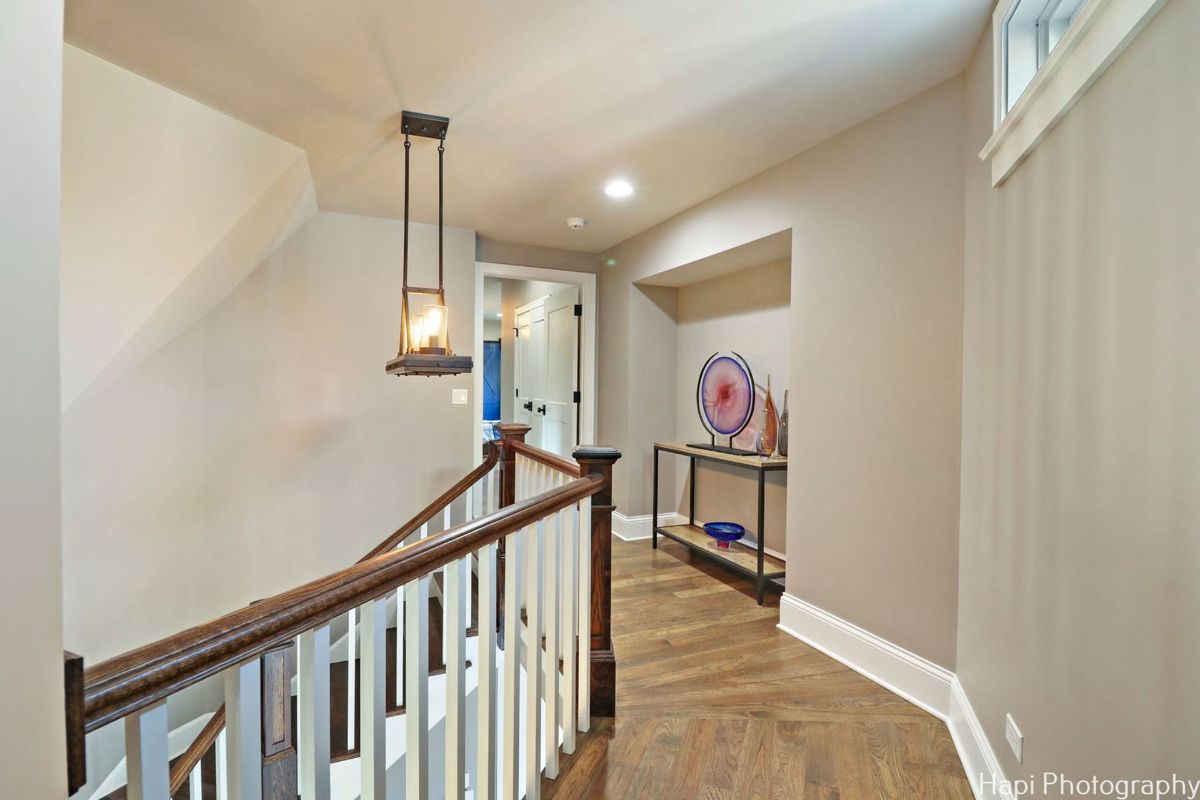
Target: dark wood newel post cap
596,453
513,430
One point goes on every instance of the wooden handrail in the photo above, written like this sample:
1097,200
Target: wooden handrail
130,682
191,757
430,511
546,458
184,765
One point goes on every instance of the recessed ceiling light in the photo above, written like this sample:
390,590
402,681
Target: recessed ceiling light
618,187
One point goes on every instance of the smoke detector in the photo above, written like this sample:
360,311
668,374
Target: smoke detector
576,223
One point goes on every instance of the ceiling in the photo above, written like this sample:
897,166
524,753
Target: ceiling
548,99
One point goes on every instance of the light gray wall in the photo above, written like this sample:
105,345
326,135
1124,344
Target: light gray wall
748,312
1079,588
32,759
876,303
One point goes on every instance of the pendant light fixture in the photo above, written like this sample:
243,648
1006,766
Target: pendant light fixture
424,335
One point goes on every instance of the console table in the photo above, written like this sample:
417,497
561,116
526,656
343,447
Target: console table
739,557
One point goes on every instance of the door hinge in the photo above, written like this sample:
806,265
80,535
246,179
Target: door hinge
576,396
579,309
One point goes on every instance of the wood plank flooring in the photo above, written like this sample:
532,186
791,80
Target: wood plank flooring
714,702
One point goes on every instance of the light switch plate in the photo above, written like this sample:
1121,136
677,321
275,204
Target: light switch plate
1013,734
458,397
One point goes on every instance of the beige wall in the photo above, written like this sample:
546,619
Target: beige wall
491,251
1079,588
32,760
265,446
748,312
876,305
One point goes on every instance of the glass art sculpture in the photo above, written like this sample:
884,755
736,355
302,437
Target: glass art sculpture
724,533
725,399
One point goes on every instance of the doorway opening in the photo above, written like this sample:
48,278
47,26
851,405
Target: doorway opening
535,343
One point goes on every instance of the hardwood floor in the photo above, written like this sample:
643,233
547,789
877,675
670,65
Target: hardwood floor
714,702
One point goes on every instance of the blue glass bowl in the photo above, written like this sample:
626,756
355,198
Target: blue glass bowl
724,533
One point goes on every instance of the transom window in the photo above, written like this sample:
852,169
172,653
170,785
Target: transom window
1031,32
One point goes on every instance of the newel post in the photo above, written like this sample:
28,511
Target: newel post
279,769
599,461
509,432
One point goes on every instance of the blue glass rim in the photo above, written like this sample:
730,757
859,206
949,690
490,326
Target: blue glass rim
724,531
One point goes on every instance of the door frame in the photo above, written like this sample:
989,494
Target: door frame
587,342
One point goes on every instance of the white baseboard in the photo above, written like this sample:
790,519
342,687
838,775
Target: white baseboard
921,682
907,674
637,529
978,759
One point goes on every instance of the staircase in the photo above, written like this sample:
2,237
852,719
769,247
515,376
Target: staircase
421,694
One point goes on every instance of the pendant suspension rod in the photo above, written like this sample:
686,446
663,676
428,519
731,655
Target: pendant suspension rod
407,146
441,208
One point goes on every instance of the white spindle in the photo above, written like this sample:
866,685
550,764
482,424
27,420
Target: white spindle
511,763
351,676
243,728
222,766
196,783
416,693
147,760
400,646
584,608
373,705
313,713
447,524
455,646
553,528
569,582
533,660
485,694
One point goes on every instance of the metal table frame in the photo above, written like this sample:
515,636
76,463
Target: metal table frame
760,465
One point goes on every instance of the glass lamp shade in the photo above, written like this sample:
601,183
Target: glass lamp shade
416,332
434,333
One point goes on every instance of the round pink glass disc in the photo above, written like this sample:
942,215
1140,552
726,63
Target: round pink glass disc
725,395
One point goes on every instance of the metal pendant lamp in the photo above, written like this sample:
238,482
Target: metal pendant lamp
424,336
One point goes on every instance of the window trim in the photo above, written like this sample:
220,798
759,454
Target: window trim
1100,31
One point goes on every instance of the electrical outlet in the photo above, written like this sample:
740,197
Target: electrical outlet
1013,734
458,397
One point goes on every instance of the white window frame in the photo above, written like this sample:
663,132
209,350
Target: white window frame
1100,31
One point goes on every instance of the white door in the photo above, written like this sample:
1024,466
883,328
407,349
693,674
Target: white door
530,368
558,407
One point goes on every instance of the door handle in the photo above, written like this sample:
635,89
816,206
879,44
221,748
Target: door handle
542,410
527,406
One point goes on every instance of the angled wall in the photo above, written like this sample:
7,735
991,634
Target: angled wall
167,206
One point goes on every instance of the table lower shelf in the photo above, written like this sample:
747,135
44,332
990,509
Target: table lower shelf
740,557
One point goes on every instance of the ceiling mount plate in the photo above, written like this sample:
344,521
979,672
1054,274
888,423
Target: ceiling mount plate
428,125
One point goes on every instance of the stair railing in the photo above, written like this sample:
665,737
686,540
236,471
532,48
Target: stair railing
551,518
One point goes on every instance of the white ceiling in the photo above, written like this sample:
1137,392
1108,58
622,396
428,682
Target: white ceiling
548,98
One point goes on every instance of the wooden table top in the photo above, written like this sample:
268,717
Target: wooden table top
749,462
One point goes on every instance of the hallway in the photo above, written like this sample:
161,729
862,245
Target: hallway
713,701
